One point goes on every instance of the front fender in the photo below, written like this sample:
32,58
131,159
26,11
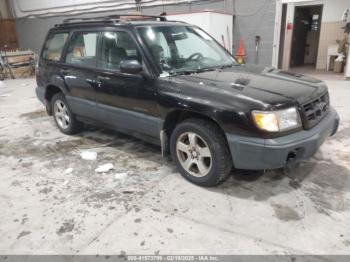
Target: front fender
230,120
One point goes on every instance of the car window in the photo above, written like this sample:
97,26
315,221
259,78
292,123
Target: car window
160,42
82,49
54,46
116,47
190,45
182,48
159,47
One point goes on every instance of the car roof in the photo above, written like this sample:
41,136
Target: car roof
116,21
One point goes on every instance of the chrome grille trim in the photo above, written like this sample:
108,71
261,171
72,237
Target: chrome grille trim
315,110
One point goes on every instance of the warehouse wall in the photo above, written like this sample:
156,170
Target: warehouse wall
31,31
253,17
25,8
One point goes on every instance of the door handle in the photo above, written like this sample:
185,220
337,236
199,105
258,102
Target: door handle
64,71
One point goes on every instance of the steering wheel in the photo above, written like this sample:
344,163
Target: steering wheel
197,55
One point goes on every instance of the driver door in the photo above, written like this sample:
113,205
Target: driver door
124,101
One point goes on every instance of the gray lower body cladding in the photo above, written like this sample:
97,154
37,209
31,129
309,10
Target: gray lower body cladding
40,93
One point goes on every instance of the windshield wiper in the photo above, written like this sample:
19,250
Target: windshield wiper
226,66
192,71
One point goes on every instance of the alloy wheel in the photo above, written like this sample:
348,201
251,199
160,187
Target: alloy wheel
61,114
194,154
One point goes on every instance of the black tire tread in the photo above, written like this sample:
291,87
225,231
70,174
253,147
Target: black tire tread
219,140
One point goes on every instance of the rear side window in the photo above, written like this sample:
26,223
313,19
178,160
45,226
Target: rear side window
82,49
54,46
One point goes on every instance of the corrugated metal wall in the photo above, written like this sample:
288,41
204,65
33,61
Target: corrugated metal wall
253,17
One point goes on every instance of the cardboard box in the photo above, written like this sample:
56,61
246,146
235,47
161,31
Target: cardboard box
338,66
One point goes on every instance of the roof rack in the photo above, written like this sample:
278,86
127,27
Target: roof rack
114,18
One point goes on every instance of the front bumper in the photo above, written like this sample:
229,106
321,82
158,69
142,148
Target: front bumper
258,154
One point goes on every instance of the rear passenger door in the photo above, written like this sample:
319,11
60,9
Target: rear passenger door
79,73
50,61
124,101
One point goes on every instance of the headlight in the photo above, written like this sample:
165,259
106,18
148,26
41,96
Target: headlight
277,121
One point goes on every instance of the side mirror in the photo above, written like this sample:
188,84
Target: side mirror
130,67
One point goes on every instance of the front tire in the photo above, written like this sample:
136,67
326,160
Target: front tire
200,152
63,116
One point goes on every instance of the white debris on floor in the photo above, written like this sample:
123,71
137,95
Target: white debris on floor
104,168
88,155
68,171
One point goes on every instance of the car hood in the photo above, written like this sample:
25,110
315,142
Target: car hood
264,83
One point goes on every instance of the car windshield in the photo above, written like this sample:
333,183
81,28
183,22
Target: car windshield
181,49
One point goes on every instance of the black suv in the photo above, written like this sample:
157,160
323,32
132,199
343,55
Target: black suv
172,84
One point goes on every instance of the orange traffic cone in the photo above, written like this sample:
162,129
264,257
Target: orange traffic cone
240,54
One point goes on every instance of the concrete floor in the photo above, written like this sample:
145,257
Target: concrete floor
318,73
143,206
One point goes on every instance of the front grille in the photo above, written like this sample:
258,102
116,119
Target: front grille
315,110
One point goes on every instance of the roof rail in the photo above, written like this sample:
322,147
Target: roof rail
114,18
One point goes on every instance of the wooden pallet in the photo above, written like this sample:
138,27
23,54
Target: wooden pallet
20,63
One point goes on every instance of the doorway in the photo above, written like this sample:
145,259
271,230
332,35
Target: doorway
282,36
306,36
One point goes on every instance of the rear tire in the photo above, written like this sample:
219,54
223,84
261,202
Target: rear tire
201,153
63,116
